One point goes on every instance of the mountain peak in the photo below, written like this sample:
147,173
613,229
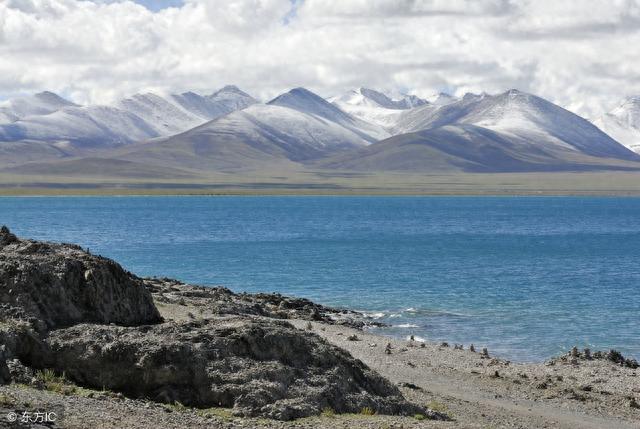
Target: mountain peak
53,99
230,91
300,99
441,99
305,101
402,102
230,88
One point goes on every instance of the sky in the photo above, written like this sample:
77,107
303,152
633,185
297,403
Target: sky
582,55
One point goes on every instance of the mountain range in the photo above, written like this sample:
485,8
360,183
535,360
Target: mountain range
623,123
363,130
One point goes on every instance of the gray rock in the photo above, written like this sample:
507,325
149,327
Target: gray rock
61,285
222,301
19,341
19,372
258,367
5,375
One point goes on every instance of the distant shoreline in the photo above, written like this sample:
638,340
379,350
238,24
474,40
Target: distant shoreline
118,192
602,183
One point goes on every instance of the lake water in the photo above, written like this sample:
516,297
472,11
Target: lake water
527,277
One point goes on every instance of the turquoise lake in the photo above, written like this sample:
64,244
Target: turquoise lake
527,277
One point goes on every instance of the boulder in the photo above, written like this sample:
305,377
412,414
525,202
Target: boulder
62,285
258,367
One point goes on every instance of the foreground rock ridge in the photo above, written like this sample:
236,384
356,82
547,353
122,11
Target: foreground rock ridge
66,311
60,285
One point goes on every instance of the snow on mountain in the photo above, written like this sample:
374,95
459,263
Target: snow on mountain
38,104
467,148
623,123
86,126
305,101
441,99
163,116
180,112
224,101
299,134
232,98
248,139
401,102
48,118
230,130
375,107
522,116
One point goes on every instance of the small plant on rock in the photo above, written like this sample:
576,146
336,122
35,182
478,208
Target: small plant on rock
367,411
55,383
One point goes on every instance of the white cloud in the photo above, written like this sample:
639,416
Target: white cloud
580,54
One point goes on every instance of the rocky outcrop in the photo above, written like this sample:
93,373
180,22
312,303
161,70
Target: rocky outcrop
222,301
259,368
65,309
61,285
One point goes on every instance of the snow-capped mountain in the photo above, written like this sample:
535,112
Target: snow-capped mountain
226,100
441,99
163,116
305,101
180,112
260,135
402,102
89,126
46,117
229,99
513,132
38,104
375,107
361,130
521,116
623,123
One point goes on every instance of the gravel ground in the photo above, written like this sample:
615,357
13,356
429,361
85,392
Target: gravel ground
485,392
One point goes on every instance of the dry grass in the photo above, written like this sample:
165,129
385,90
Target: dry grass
337,183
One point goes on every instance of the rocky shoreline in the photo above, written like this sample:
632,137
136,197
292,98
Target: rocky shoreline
105,348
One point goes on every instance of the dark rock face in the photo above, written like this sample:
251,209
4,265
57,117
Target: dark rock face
61,285
260,368
5,375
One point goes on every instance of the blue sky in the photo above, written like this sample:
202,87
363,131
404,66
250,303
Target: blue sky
156,5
